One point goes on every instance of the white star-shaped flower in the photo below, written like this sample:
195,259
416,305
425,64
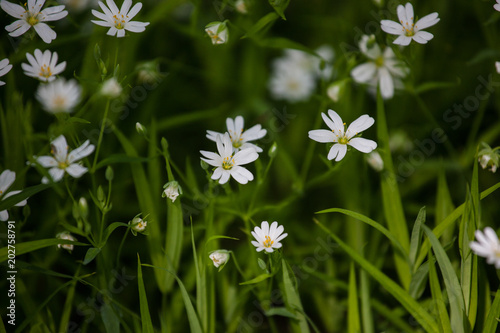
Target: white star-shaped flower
219,257
487,245
408,30
33,16
43,66
239,137
497,5
5,67
229,165
382,69
268,238
7,178
118,20
63,162
59,95
343,138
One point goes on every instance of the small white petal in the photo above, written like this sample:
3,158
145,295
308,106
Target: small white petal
337,151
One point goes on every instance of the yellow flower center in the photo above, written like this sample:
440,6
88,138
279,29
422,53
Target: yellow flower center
228,163
408,29
59,102
45,71
63,165
379,62
268,242
32,19
343,140
119,21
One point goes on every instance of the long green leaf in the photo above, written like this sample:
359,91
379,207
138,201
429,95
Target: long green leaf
456,298
261,24
353,316
147,324
416,236
491,322
437,297
401,295
391,199
293,299
194,321
26,247
370,222
28,192
448,221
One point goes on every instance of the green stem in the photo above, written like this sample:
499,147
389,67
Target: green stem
120,248
101,133
310,148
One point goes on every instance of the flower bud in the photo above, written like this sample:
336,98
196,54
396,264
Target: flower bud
273,150
138,225
375,161
66,236
140,128
171,190
489,158
111,88
218,32
219,258
109,173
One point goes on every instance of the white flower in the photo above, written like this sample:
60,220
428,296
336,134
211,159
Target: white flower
241,6
7,178
268,238
5,67
497,5
218,32
343,138
118,20
43,66
240,138
171,190
335,90
219,257
487,246
138,225
59,95
63,162
66,236
382,69
33,16
408,30
228,164
111,88
291,83
497,64
375,161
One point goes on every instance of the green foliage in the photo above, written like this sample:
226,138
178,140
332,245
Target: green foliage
390,248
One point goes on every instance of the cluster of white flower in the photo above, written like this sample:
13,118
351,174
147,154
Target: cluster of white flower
294,75
234,150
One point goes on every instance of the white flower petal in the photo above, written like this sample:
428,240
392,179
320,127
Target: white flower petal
337,151
241,175
364,73
385,83
402,40
391,27
363,145
76,170
4,215
47,161
359,125
83,151
7,178
56,174
45,32
323,136
427,21
224,178
245,156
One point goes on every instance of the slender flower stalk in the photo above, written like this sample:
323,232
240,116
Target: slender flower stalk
32,15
